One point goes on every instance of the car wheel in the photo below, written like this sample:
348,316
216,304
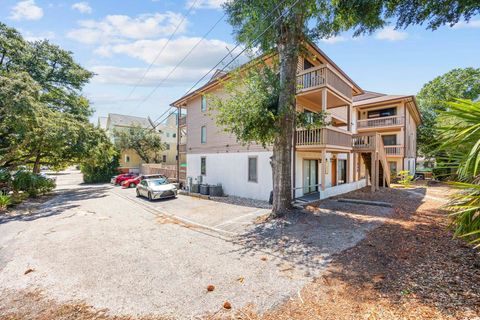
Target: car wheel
132,185
150,196
138,193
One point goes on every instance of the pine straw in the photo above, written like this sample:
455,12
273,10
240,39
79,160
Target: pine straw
409,268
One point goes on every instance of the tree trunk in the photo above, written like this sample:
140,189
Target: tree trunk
36,165
288,48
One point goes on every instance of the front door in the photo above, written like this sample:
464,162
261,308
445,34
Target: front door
334,172
310,176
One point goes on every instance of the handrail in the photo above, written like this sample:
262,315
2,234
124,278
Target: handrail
383,159
394,150
380,122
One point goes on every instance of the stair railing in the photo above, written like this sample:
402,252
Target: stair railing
383,158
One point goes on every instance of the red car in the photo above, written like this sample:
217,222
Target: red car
122,177
132,183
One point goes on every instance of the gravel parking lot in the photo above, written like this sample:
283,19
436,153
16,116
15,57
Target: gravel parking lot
102,246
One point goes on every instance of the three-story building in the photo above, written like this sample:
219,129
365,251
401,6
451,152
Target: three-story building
356,148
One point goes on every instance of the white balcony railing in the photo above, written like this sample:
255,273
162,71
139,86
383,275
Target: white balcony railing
380,122
396,150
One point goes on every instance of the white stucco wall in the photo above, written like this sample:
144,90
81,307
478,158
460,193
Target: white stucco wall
410,163
231,170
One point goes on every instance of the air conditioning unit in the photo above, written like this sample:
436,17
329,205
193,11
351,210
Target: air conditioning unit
200,179
189,183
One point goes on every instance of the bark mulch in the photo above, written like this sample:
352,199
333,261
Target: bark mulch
408,268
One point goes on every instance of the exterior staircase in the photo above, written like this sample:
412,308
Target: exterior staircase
370,147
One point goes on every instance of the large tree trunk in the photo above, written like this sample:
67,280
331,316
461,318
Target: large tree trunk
36,165
288,48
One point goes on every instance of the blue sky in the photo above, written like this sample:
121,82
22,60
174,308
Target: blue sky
119,39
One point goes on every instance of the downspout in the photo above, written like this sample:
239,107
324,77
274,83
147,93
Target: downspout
179,111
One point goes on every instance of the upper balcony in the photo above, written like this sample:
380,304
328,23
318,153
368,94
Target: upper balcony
182,121
320,77
322,138
382,122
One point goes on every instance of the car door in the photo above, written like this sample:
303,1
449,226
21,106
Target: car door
143,188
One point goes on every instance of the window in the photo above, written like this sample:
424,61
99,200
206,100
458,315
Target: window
342,171
252,169
203,134
389,140
164,158
309,115
204,104
307,64
382,113
167,146
203,165
174,135
393,166
127,158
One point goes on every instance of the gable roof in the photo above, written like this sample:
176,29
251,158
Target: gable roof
122,120
367,95
219,75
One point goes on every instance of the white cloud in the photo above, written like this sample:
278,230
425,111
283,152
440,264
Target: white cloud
31,36
26,10
390,34
130,76
334,39
82,7
115,28
208,52
471,24
205,4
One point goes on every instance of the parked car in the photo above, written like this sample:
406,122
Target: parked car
156,189
132,183
122,177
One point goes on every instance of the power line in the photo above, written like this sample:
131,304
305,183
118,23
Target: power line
181,61
161,50
244,49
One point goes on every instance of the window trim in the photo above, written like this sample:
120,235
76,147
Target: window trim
256,169
204,171
203,139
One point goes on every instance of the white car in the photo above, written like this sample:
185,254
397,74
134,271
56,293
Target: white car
156,189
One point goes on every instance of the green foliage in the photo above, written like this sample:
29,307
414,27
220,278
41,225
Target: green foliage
44,117
434,98
5,201
405,178
32,183
101,163
145,141
460,136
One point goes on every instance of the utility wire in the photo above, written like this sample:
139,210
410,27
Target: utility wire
244,49
161,51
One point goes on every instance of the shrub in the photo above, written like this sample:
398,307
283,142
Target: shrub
5,201
405,178
32,183
94,173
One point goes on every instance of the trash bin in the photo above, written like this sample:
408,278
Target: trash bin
195,188
204,189
216,191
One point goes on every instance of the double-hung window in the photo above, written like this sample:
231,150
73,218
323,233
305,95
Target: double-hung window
204,104
252,169
203,165
203,134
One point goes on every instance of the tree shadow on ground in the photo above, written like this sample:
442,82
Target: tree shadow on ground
407,267
55,205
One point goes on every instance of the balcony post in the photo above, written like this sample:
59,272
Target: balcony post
349,167
324,100
324,167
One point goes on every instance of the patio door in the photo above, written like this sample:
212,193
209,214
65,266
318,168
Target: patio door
310,174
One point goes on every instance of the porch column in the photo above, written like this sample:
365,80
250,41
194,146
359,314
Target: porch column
349,117
324,167
349,167
372,171
377,172
324,99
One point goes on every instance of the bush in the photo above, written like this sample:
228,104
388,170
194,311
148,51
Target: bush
32,183
405,178
95,174
5,201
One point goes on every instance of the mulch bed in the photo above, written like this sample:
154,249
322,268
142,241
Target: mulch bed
408,268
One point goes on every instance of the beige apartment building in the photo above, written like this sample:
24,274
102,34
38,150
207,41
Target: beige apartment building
369,136
129,160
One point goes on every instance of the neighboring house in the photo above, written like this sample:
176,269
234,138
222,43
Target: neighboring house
168,131
346,155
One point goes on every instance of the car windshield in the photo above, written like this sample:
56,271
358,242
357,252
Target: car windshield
157,182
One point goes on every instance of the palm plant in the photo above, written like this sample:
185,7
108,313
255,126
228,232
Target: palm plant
460,133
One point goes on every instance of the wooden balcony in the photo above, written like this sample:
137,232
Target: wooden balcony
182,121
365,142
322,137
394,151
380,122
322,76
